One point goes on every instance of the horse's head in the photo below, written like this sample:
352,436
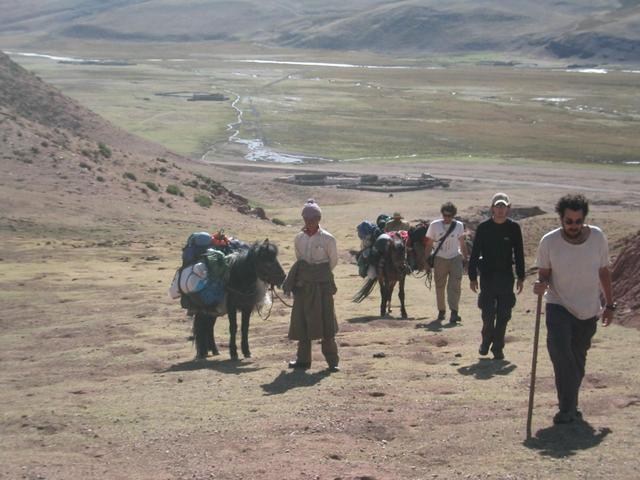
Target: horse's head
268,268
397,250
396,253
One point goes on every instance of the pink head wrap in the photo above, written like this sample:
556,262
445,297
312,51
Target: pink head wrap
311,209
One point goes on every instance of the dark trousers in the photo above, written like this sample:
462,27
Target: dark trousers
496,300
568,340
329,350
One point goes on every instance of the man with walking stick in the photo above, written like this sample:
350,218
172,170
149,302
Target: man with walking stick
573,270
534,363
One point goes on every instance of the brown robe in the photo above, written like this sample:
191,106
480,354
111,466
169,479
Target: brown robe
313,315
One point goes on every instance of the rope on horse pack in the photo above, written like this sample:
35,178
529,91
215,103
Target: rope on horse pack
418,273
238,292
259,310
428,277
252,293
273,294
426,274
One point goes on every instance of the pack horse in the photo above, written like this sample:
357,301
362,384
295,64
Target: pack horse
241,284
391,269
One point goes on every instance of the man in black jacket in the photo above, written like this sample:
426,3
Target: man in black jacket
496,247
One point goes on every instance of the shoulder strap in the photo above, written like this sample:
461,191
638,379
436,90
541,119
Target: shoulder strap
451,228
179,278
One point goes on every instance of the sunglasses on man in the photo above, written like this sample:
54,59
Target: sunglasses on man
569,221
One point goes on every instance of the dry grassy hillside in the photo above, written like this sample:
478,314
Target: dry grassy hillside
58,154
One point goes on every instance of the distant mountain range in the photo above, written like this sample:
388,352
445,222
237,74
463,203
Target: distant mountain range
596,30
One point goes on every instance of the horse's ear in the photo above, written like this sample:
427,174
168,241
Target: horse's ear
266,241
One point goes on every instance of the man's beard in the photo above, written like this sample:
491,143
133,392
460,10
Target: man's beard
571,234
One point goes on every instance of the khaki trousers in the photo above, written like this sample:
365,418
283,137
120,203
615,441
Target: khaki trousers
447,273
329,350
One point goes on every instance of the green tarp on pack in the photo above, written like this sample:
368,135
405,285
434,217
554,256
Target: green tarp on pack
217,264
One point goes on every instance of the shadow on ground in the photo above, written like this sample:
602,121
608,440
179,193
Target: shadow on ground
286,381
364,319
229,366
433,326
487,368
371,318
437,325
560,441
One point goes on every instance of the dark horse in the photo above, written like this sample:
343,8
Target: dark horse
391,268
249,273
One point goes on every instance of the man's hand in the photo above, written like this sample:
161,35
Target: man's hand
540,287
519,286
473,284
607,317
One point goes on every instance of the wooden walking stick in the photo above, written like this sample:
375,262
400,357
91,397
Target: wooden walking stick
534,361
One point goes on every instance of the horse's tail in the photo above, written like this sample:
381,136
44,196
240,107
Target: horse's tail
365,290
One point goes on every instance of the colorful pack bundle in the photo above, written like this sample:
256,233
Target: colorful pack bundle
200,281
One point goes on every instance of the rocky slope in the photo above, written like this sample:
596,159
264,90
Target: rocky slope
625,274
54,152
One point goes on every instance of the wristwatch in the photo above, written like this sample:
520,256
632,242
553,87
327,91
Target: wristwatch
611,306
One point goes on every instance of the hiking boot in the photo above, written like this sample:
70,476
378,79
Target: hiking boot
498,355
484,349
441,315
333,369
561,418
454,318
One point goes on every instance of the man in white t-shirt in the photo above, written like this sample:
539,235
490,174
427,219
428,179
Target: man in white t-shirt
573,263
446,238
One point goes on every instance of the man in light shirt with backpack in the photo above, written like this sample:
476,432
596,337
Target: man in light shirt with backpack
447,239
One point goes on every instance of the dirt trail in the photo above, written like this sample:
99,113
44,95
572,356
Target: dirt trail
99,377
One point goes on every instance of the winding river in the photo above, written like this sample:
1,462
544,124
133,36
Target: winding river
257,150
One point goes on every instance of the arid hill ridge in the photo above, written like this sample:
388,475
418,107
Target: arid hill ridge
70,159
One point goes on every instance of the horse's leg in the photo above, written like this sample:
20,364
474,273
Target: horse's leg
246,316
403,311
201,333
392,285
233,329
212,338
383,298
388,290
